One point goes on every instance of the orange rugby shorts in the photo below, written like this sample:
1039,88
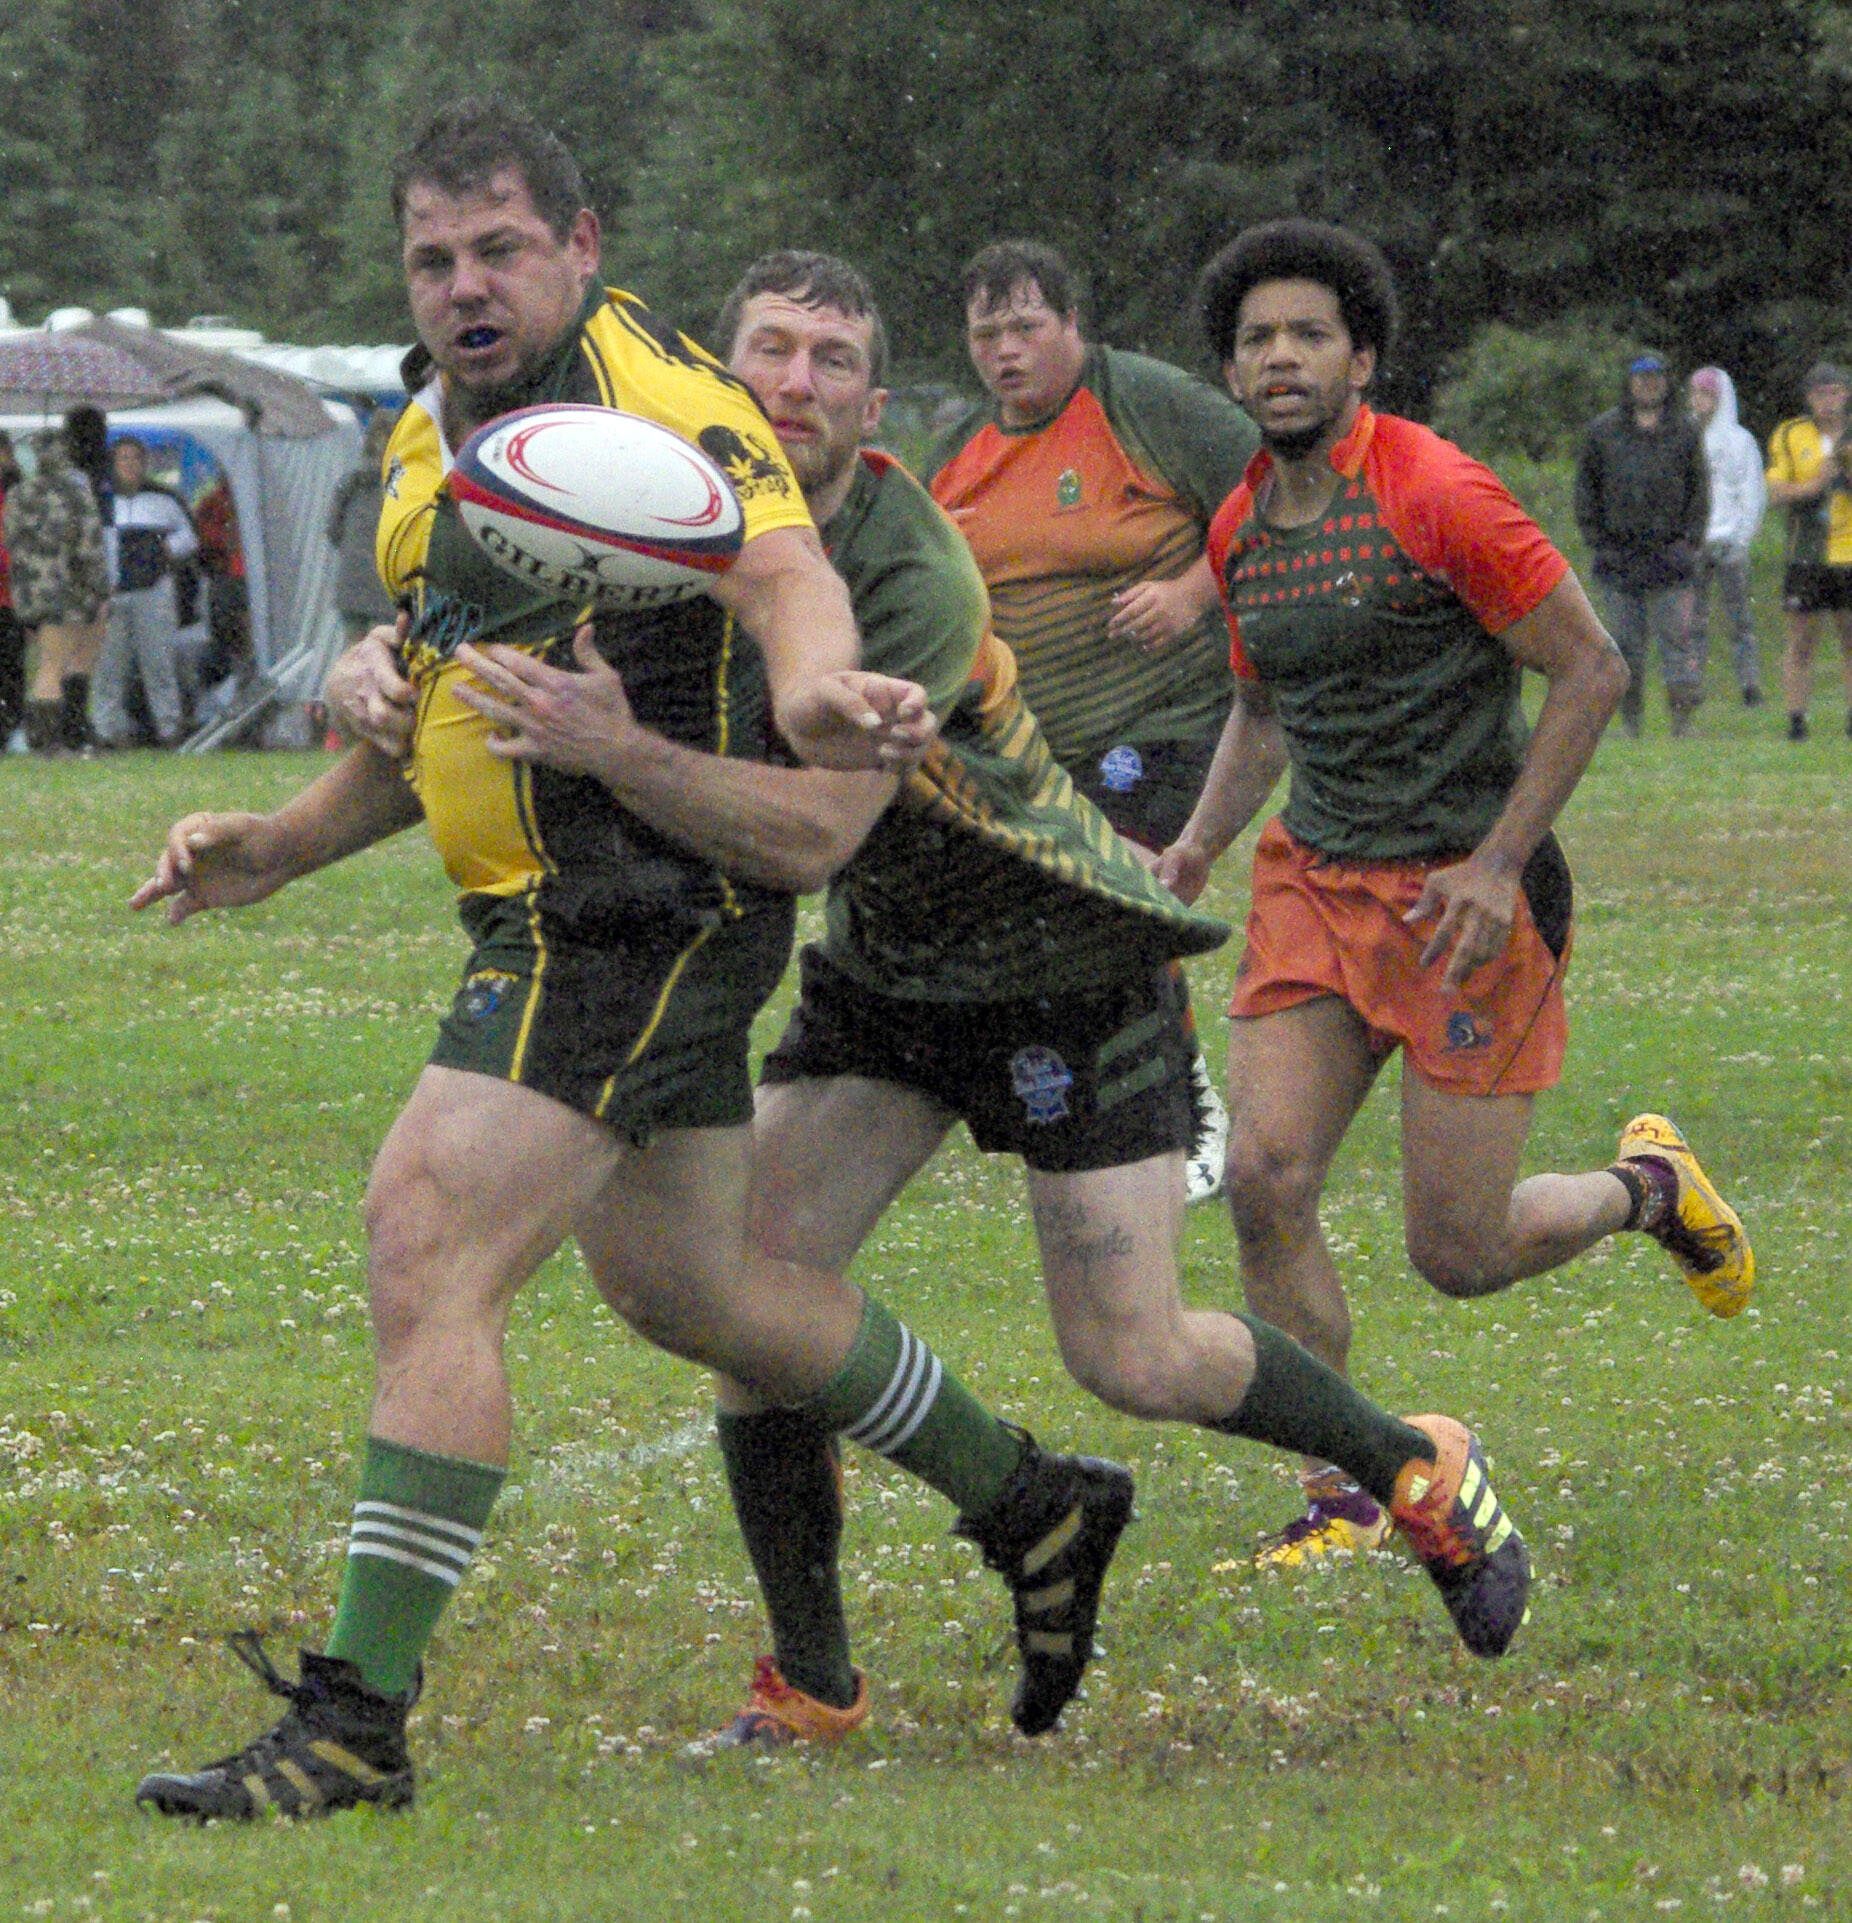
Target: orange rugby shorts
1324,927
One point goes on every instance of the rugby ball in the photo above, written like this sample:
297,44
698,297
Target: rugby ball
596,505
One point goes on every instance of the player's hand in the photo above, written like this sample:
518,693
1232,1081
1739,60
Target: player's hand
369,697
576,721
1155,614
1475,905
855,721
215,861
1183,868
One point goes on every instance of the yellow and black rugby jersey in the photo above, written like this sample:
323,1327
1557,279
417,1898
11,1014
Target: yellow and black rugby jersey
1119,487
989,878
1819,531
689,670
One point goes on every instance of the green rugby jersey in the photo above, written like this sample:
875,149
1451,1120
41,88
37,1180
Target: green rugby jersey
1118,487
989,878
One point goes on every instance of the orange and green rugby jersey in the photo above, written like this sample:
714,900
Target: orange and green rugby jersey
1375,631
1819,532
505,827
1118,487
988,878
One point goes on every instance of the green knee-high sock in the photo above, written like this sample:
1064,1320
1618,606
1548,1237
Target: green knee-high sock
1296,1402
894,1396
416,1525
781,1470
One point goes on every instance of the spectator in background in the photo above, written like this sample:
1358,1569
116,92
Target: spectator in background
60,581
352,522
1642,502
228,606
12,629
1810,474
153,532
1738,496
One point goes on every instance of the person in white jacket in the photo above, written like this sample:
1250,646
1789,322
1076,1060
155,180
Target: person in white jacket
1739,494
153,534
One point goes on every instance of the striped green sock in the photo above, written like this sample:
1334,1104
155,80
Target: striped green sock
417,1523
894,1396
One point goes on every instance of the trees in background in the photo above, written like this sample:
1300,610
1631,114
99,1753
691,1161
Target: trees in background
1642,168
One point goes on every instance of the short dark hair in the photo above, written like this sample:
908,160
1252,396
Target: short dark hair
86,439
1350,266
130,440
995,272
464,145
812,280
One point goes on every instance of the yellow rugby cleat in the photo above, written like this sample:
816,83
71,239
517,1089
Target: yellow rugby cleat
1701,1232
1340,1520
778,1715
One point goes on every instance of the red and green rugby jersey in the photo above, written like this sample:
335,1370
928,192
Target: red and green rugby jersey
1118,487
1375,631
989,878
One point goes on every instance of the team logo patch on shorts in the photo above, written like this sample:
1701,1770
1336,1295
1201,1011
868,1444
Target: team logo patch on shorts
481,995
1121,770
1465,1030
1041,1080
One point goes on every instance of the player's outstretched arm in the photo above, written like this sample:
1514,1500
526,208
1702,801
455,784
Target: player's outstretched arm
787,828
232,860
1474,902
368,696
833,712
1249,760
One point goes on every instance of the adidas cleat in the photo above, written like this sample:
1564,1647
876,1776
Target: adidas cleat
340,1745
1701,1232
1340,1520
1051,1537
1205,1170
777,1715
1454,1522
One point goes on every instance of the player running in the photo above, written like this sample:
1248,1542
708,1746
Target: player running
1388,593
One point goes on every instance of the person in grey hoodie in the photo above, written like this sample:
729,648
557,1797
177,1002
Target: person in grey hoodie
1739,494
1642,502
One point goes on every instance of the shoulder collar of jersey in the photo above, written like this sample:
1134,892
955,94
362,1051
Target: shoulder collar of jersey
1347,456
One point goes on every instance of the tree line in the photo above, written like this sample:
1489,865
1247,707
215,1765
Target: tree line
1651,170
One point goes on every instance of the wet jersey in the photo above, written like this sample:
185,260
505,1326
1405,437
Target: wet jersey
1819,531
1374,629
507,827
988,878
1119,487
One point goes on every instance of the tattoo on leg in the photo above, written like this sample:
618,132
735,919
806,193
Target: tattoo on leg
1062,1226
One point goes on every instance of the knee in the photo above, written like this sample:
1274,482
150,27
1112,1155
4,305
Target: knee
1459,1264
404,1249
1271,1186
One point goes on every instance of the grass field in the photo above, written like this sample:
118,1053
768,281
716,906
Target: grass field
186,1126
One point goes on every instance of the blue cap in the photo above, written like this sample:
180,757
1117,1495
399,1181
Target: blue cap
1648,364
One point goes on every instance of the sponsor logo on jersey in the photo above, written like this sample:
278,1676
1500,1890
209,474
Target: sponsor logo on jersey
1067,488
1121,770
749,464
481,995
1040,1080
1465,1030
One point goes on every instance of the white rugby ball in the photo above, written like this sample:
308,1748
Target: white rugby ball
596,505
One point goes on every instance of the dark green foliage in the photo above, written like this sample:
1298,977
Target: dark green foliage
1532,393
1667,172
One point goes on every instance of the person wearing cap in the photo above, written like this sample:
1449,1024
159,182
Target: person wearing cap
1738,497
1810,474
1642,502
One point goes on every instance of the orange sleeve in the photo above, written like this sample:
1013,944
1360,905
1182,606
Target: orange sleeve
1222,531
1459,522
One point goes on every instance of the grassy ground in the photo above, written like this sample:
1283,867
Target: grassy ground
186,1125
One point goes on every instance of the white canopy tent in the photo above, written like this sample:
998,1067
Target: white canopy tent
283,489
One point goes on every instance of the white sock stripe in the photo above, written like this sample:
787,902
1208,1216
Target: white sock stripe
437,1526
887,1427
365,1530
922,1407
876,1417
442,1571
